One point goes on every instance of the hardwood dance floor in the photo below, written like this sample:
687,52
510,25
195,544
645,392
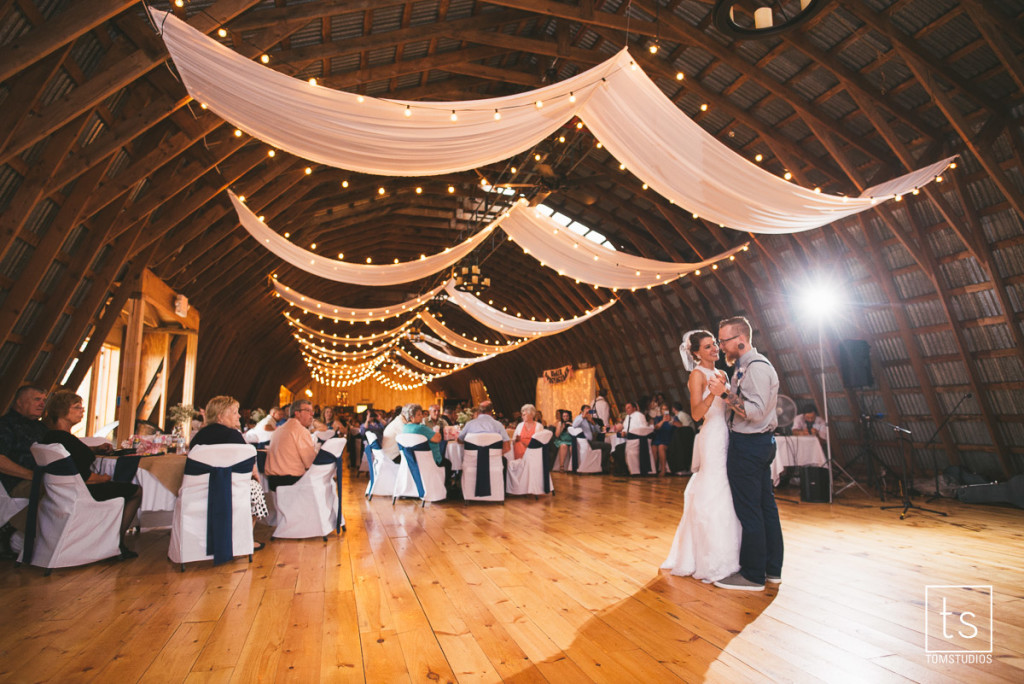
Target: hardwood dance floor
563,590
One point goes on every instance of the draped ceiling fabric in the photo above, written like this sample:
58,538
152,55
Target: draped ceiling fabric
348,313
513,325
426,368
623,108
577,257
439,355
459,342
344,272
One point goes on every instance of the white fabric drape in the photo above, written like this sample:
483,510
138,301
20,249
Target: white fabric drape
465,344
426,368
623,108
344,272
513,325
439,355
577,257
350,314
347,340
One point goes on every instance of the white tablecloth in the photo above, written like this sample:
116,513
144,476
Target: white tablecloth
454,452
157,501
796,451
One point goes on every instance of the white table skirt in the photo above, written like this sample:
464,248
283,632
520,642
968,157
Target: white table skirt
796,451
454,452
157,500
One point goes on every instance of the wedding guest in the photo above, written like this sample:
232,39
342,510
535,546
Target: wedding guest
222,428
664,425
388,442
292,448
19,428
810,423
64,410
485,422
415,424
680,449
562,439
525,430
602,408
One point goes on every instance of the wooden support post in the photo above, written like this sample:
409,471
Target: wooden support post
128,376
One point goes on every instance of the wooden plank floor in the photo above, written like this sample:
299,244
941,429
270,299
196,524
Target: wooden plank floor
565,589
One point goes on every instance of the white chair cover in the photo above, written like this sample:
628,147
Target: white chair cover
324,435
633,450
309,508
188,529
107,429
9,505
96,441
526,475
431,474
72,528
470,490
589,458
382,481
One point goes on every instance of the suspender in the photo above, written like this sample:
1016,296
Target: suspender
739,381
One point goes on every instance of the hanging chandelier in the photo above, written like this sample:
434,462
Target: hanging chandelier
469,279
762,18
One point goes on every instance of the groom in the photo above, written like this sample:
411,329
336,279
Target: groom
752,402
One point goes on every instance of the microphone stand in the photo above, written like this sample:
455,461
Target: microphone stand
935,458
905,479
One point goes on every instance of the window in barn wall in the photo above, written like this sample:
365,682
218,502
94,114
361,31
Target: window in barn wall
98,391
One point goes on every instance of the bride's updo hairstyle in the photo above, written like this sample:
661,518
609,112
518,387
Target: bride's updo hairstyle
696,339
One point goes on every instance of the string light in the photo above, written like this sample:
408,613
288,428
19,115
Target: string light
222,32
408,111
312,81
265,59
454,116
758,157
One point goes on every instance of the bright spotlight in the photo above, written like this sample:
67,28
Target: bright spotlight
822,299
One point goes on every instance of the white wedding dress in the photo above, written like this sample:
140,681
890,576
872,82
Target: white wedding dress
707,543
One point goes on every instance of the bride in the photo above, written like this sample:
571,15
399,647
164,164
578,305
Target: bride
707,542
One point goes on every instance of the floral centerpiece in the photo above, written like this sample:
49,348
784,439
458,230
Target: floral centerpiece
181,415
464,416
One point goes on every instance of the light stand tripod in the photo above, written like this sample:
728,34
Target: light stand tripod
935,458
903,435
869,457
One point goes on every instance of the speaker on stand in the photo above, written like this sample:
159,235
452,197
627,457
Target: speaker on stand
855,369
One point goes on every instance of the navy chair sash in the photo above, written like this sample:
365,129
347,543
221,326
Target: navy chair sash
125,468
483,466
218,505
261,458
545,450
368,452
64,466
574,452
414,467
645,452
325,457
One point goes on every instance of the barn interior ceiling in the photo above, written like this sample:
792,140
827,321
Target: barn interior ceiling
108,167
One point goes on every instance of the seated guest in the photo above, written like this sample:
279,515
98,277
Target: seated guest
593,431
19,429
485,422
64,410
222,428
562,438
631,419
292,448
415,424
435,419
525,430
810,423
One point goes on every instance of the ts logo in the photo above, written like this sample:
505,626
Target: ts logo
958,618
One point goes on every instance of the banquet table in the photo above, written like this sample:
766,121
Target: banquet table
160,478
454,452
796,451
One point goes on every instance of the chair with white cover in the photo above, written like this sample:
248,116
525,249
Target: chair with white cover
585,458
312,506
383,470
67,526
9,505
418,475
323,435
96,441
212,517
531,474
639,455
482,478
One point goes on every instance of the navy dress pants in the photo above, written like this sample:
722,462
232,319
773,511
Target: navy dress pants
750,479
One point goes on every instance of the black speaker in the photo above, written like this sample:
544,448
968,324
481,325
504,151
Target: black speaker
813,484
855,364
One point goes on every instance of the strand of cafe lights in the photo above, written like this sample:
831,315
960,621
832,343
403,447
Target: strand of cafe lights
346,340
344,355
